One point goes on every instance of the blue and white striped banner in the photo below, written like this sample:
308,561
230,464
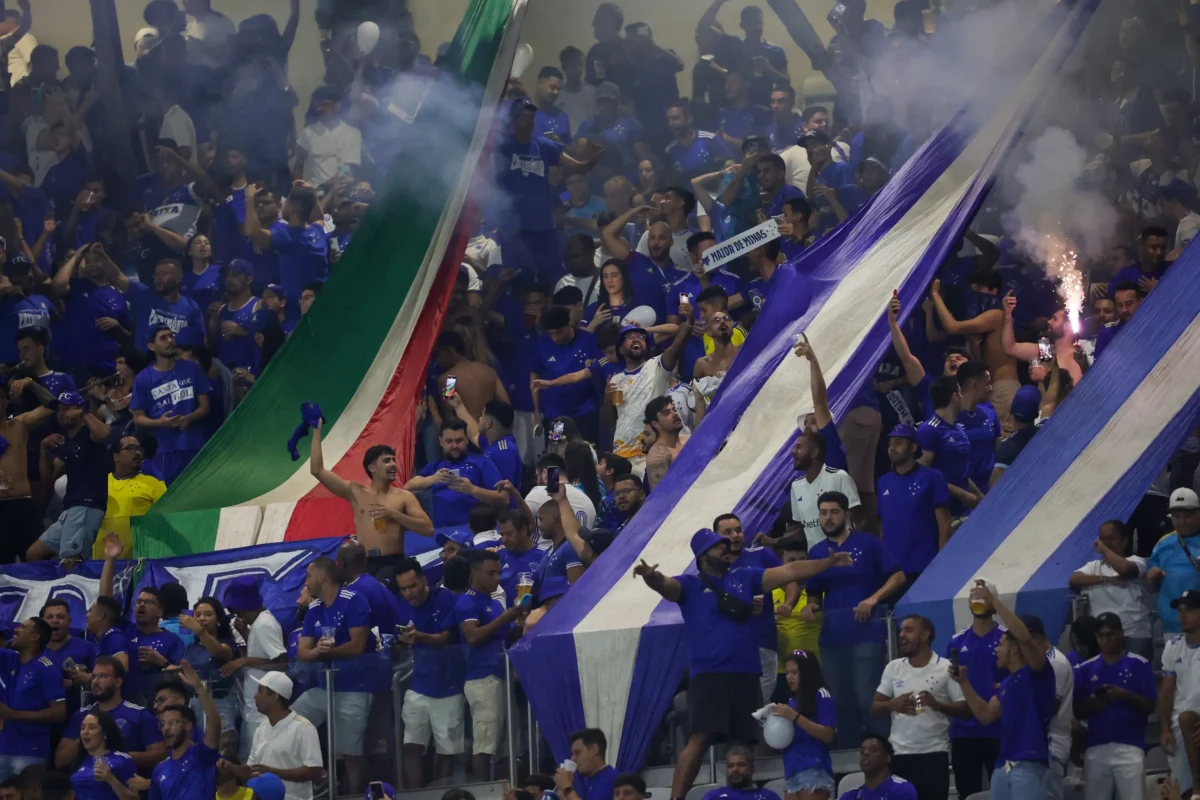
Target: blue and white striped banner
610,655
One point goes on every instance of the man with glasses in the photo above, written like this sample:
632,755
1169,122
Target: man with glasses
629,496
189,770
131,493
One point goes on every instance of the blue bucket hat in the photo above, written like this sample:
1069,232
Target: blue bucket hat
706,539
1026,404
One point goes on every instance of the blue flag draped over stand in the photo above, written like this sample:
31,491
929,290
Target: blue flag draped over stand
279,568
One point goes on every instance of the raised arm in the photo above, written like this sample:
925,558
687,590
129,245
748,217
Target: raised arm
212,716
60,284
776,577
670,356
613,234
337,485
1025,351
913,370
570,524
251,228
816,380
988,321
669,588
1034,656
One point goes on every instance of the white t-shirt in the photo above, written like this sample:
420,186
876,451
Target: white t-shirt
585,509
1130,602
639,388
18,58
1064,693
266,641
291,743
580,104
177,126
591,287
1188,229
928,731
804,499
1183,661
330,146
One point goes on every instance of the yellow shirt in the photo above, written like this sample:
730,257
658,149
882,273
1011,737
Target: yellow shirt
131,497
795,633
739,338
243,793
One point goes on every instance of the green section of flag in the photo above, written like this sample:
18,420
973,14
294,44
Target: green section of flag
333,347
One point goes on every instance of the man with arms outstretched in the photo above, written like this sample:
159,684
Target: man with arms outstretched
382,512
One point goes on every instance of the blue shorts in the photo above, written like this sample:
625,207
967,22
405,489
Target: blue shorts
74,532
810,780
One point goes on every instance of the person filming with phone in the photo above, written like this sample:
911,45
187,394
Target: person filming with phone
459,480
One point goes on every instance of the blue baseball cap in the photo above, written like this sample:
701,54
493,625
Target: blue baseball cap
903,431
241,265
267,786
72,399
521,104
628,329
460,536
706,539
277,288
1026,404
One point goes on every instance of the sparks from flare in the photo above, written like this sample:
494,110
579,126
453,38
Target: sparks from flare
1062,265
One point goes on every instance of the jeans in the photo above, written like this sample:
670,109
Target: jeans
1113,771
1019,780
1056,776
852,674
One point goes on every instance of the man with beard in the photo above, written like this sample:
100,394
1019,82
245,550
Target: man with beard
34,701
914,505
153,648
169,397
916,691
143,741
974,747
650,273
675,209
459,480
383,513
817,478
1128,297
985,330
739,777
131,493
695,284
730,526
669,439
773,190
853,639
1061,334
723,691
73,655
694,152
629,496
162,304
627,393
189,770
714,365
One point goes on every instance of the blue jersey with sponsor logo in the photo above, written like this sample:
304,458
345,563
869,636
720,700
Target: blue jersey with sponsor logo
522,170
239,350
175,391
18,313
183,316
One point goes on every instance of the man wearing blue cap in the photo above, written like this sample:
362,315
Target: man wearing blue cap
644,378
454,541
236,347
169,397
914,504
717,606
1025,409
265,650
80,451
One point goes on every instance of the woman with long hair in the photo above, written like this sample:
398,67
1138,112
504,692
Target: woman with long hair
807,768
201,277
616,299
581,471
103,770
214,646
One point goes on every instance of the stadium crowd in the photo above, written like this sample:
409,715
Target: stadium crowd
583,345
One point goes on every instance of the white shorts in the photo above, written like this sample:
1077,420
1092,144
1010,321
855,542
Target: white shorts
351,708
1181,770
485,696
441,717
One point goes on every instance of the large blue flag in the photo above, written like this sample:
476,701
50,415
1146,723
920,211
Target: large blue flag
25,588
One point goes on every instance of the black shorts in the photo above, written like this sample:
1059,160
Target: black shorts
19,528
385,569
720,704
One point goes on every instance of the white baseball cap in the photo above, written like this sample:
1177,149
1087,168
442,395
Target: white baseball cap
1183,498
277,682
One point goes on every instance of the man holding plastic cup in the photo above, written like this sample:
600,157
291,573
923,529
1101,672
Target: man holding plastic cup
336,629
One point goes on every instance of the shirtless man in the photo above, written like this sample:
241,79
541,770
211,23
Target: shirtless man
18,520
986,334
1061,335
382,512
669,439
475,383
718,362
